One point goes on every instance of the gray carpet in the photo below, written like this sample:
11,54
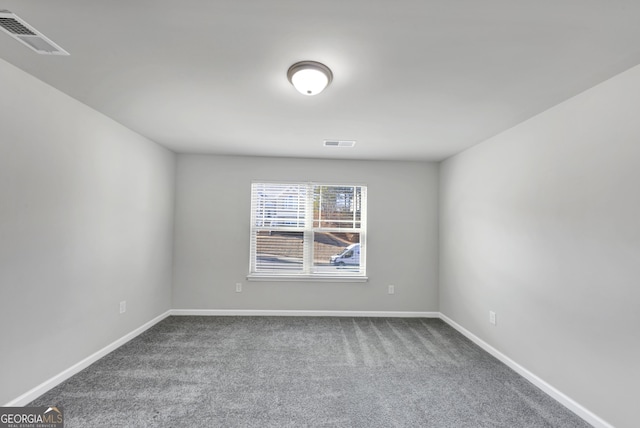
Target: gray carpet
303,372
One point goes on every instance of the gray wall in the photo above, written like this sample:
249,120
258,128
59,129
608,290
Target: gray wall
542,225
86,212
212,235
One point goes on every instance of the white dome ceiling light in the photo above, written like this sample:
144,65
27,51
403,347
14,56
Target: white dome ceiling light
309,77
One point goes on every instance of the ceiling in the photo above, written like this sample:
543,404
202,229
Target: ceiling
413,79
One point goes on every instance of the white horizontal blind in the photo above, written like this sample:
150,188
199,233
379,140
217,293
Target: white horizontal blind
308,229
278,223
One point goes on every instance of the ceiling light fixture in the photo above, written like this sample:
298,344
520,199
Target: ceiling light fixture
309,77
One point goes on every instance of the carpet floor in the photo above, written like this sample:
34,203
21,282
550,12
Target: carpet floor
303,372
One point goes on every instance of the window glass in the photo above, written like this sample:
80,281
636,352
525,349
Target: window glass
336,252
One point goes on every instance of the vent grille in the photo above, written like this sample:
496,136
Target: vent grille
17,28
339,143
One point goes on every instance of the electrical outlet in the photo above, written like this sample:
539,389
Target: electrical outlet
492,318
123,306
392,289
238,287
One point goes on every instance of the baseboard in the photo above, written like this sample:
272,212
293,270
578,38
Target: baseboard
295,313
563,399
34,393
560,397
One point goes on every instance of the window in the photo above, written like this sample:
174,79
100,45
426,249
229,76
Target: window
308,230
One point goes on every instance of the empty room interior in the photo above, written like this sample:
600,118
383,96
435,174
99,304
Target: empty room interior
279,213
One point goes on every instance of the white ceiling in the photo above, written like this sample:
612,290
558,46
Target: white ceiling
413,79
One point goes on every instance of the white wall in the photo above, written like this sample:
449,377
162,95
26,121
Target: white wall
542,225
86,212
212,235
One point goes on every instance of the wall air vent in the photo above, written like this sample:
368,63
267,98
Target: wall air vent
339,143
11,24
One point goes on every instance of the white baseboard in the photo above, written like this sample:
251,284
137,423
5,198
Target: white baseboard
45,386
560,397
294,313
563,399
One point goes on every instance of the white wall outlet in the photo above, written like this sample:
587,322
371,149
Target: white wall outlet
492,318
392,289
238,287
123,306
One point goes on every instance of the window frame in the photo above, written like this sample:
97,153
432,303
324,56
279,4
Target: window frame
308,231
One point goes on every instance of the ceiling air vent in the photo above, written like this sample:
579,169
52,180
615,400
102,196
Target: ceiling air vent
339,143
11,24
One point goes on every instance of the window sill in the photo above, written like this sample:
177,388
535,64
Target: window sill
307,278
